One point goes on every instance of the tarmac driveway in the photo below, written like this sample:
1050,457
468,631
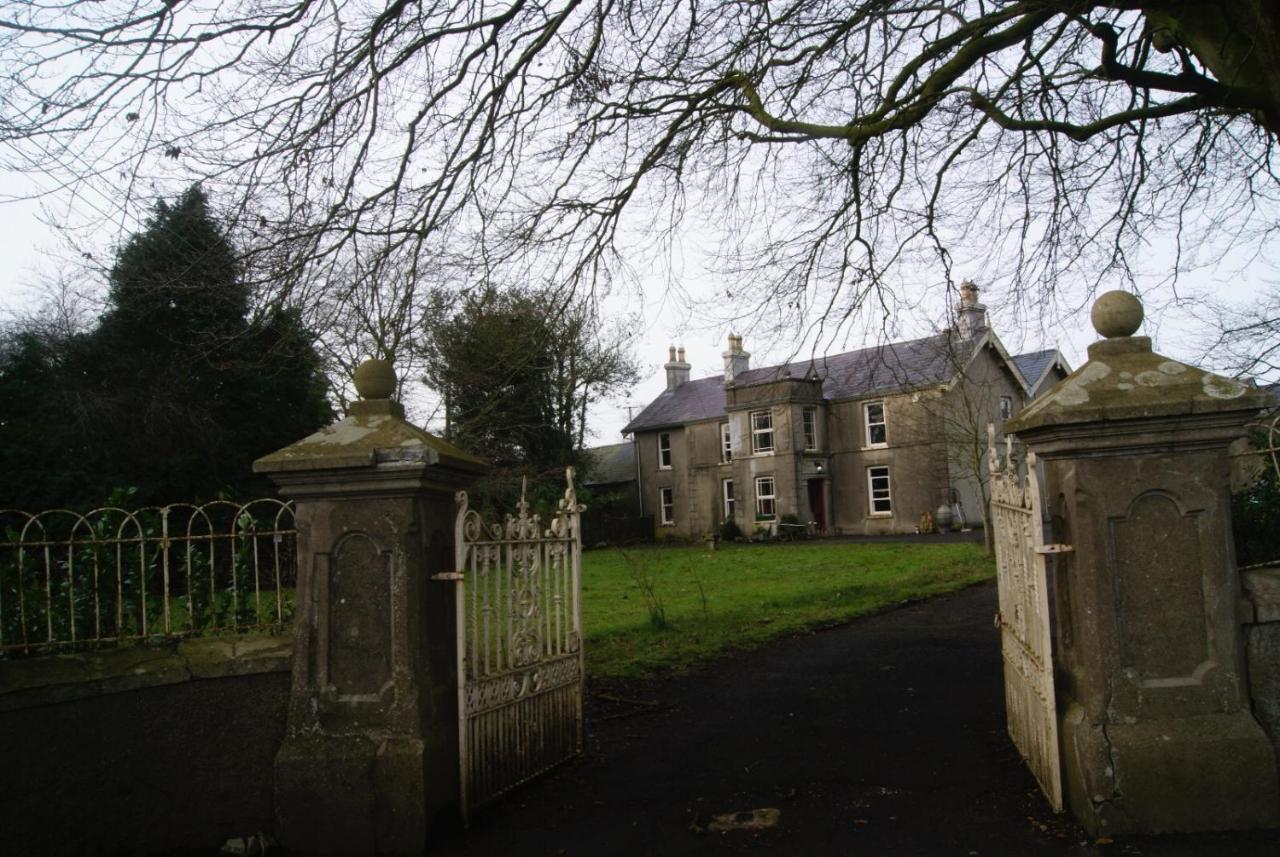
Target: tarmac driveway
884,736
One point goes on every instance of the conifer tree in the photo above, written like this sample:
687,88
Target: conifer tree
177,389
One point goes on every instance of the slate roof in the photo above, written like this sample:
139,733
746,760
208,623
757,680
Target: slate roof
854,374
609,464
1033,363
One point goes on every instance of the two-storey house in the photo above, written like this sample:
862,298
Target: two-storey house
861,442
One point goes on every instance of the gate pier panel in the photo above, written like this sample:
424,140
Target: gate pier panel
370,757
1156,729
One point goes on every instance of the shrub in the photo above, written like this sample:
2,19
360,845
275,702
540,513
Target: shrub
730,531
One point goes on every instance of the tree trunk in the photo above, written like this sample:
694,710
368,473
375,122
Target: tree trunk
1237,40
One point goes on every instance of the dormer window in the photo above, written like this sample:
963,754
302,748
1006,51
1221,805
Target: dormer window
761,431
877,430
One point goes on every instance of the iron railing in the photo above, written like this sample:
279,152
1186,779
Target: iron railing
71,581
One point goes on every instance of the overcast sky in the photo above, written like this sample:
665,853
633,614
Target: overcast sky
695,320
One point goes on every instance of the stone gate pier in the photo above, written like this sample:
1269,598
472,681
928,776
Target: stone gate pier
1157,733
370,756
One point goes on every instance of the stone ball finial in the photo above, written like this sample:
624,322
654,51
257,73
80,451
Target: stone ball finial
1116,314
375,379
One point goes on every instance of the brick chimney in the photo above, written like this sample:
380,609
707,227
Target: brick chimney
971,318
677,368
736,361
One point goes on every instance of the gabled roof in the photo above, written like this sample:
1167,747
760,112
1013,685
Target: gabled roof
1034,364
871,371
608,464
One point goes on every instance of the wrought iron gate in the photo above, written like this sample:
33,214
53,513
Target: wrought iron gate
1024,620
519,618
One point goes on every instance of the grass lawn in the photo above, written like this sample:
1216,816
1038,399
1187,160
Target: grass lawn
648,609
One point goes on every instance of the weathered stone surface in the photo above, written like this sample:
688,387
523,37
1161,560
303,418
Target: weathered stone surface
375,379
325,796
27,682
1263,642
1116,313
1156,725
1184,774
374,431
1125,380
370,758
1262,588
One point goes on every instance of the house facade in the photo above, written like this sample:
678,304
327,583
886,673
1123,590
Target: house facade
864,442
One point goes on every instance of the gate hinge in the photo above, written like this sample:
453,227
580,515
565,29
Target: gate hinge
448,575
1054,549
999,620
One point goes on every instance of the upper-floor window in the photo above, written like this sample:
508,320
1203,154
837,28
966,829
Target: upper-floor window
667,504
765,507
809,418
1006,407
664,450
726,492
726,443
761,431
877,433
878,491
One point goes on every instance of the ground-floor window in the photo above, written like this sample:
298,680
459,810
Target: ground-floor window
878,491
765,497
667,503
726,491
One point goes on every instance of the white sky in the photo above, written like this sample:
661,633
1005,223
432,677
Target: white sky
30,249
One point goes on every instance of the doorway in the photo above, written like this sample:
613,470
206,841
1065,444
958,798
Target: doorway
818,503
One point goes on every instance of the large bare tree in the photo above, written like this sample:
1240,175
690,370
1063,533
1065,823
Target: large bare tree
819,142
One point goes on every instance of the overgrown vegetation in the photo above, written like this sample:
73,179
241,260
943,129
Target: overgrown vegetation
1255,512
120,575
741,596
177,388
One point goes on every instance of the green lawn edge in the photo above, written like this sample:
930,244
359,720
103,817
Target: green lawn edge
662,609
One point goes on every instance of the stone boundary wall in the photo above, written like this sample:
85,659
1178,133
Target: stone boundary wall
1262,640
144,749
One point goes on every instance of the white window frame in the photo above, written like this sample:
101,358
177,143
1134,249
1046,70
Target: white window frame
667,506
728,502
769,497
757,445
726,443
664,450
1006,407
809,427
869,424
882,495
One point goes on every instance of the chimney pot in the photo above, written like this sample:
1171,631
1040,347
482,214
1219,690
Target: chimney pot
736,361
677,369
972,316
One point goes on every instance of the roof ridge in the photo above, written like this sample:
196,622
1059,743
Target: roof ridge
831,357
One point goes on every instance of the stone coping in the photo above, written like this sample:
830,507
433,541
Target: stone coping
1125,380
51,679
1262,588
